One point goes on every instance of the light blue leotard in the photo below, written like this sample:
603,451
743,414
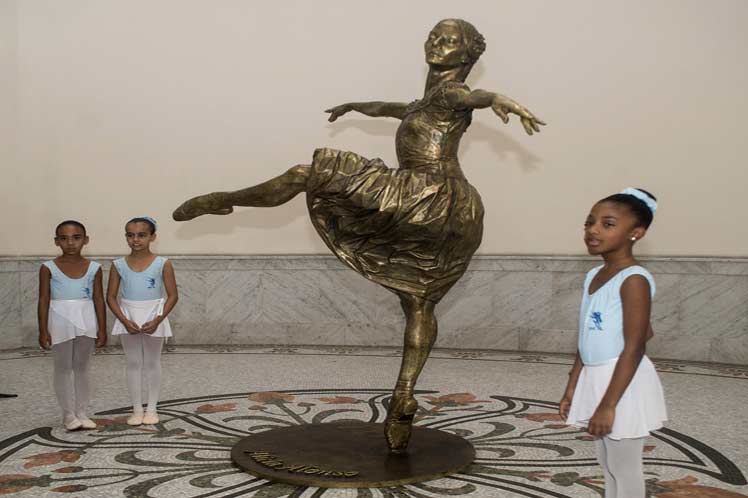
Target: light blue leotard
146,285
601,316
63,287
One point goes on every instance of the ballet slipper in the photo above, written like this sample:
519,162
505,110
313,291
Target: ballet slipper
150,418
87,423
135,419
73,425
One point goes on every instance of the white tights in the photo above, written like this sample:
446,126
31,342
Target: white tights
621,461
73,357
143,354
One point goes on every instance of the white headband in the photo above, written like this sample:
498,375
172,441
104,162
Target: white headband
651,203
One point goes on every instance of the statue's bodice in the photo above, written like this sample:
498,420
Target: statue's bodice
429,134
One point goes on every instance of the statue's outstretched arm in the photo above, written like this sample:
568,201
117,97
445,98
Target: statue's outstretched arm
372,109
462,98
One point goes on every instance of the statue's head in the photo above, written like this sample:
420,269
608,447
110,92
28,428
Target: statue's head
454,42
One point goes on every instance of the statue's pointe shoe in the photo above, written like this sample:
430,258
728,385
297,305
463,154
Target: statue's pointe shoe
213,203
399,422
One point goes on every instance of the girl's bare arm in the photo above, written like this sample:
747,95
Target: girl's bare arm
100,307
45,276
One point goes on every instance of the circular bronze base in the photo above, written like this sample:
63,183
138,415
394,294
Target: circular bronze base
349,455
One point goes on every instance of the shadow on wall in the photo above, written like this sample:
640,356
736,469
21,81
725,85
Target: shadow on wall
503,145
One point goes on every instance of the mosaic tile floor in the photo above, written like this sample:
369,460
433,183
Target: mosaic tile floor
504,403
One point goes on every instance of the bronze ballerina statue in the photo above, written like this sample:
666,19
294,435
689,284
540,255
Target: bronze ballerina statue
412,229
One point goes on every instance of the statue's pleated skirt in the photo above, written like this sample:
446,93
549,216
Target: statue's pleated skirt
412,231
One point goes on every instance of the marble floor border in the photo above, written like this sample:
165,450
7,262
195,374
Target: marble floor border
710,369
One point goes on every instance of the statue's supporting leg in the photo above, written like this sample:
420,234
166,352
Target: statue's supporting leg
274,192
420,335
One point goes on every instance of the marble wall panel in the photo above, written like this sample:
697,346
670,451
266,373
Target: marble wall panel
713,305
361,300
679,347
232,333
309,296
9,265
730,350
191,333
314,333
373,334
729,268
29,284
665,307
232,296
548,340
522,299
259,333
506,337
11,334
470,303
566,299
503,302
687,266
192,288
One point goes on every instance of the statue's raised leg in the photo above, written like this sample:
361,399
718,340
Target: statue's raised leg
274,192
420,335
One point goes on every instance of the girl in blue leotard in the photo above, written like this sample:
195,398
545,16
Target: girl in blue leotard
142,292
72,320
613,388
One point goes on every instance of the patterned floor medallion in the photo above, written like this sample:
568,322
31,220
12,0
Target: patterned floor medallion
523,450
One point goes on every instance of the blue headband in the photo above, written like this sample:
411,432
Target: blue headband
150,220
647,200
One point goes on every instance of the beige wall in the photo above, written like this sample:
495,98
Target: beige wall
121,108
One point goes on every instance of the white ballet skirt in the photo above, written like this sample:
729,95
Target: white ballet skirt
640,410
141,312
71,318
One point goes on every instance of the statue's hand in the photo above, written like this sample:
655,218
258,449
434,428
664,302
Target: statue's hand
338,111
502,106
214,203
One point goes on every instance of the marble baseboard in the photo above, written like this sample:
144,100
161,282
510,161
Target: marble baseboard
520,303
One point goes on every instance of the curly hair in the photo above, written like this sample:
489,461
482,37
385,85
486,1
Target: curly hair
476,43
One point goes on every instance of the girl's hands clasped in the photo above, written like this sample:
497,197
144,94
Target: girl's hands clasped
150,326
132,327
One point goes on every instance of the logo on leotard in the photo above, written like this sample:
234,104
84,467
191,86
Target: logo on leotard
151,283
87,292
597,320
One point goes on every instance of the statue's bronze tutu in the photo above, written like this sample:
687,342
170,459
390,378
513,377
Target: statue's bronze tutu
412,229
